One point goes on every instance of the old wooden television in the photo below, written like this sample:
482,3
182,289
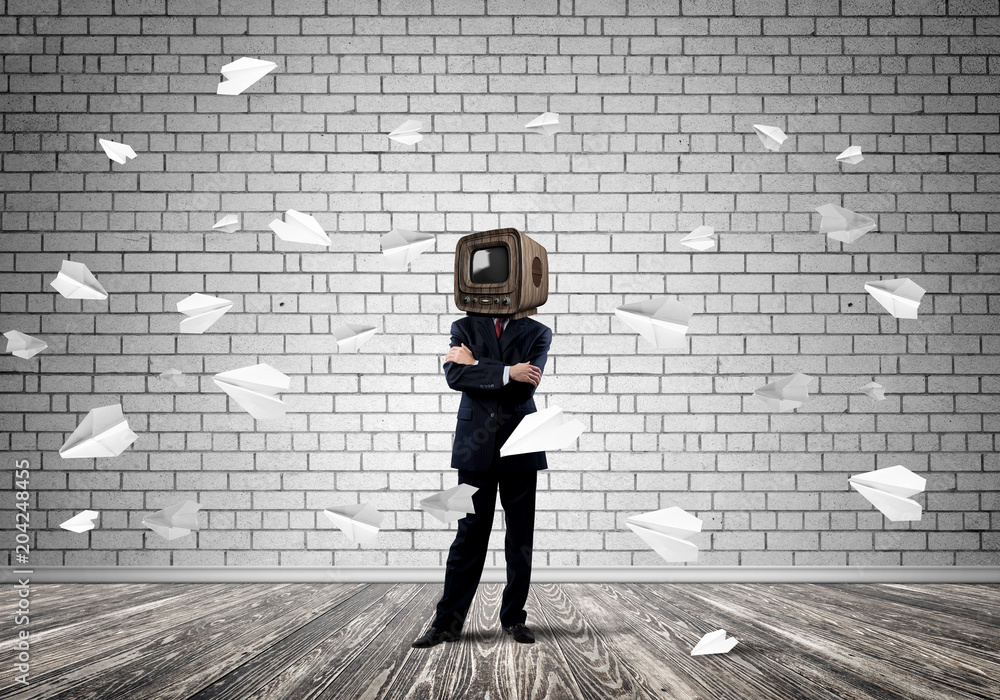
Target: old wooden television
500,273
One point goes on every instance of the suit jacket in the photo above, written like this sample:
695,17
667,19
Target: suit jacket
489,410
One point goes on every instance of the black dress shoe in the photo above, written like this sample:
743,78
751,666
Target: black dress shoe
520,633
433,637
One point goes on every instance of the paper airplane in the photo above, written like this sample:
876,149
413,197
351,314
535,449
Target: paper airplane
350,337
900,297
547,123
118,152
202,311
173,375
359,522
81,522
23,345
104,432
702,238
851,155
450,504
889,491
842,224
786,393
242,73
714,643
256,389
661,321
770,136
874,390
402,247
408,133
300,228
75,281
227,224
548,429
175,520
667,532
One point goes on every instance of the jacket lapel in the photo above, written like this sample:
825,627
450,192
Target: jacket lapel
509,333
489,330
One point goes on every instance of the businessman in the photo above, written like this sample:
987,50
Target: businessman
496,363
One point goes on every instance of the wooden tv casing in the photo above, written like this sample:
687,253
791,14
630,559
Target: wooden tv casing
527,284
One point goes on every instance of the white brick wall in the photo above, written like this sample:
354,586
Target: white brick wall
660,98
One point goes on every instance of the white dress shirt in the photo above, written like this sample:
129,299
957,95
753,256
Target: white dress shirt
506,368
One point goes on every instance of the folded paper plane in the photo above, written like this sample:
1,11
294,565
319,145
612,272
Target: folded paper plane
350,337
173,375
359,522
702,238
547,123
900,297
104,432
242,73
402,247
548,429
667,532
842,224
202,311
81,522
75,281
408,133
118,152
786,393
256,389
890,489
661,321
451,504
23,345
714,643
874,390
770,136
851,155
299,228
175,520
227,224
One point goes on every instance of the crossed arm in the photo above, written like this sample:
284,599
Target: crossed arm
463,373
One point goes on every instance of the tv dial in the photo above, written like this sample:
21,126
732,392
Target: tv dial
466,300
506,301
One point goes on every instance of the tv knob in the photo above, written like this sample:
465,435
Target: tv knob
506,301
497,300
465,300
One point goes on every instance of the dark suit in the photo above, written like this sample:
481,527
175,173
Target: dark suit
487,415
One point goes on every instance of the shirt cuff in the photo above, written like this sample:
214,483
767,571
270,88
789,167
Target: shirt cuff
506,374
476,362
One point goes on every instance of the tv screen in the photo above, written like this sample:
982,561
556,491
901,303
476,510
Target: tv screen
490,265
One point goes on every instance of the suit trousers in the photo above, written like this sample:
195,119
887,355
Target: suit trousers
468,552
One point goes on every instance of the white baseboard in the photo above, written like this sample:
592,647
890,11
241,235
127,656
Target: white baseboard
551,574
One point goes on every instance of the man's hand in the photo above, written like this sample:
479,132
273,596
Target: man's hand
462,355
526,372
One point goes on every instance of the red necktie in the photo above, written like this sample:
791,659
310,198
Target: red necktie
499,328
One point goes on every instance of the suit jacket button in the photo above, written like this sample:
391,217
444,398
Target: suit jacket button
493,415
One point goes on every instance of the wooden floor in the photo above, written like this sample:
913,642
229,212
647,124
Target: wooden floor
595,641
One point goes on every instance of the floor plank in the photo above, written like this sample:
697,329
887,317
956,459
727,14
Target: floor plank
188,647
319,641
672,627
597,671
788,643
306,651
950,600
859,649
72,648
